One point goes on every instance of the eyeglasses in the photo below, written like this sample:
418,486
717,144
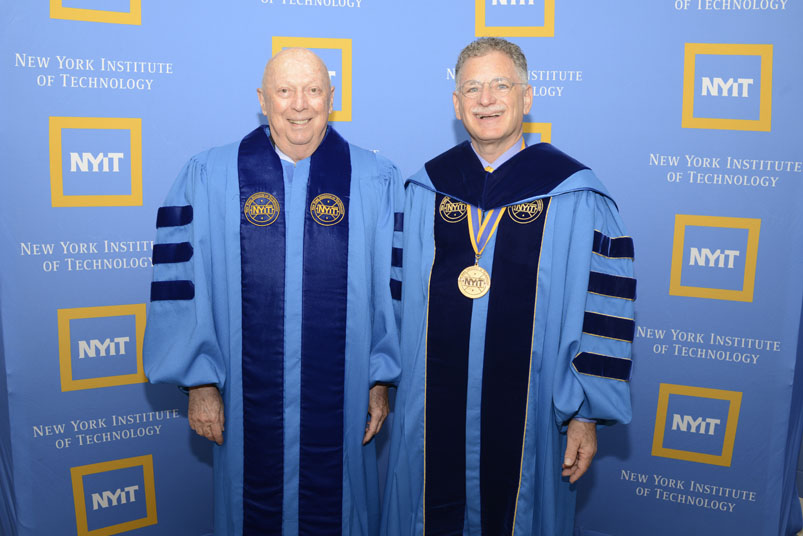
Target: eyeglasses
472,89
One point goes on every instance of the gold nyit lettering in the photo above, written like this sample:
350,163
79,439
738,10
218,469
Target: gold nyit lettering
527,207
453,207
473,282
262,210
323,210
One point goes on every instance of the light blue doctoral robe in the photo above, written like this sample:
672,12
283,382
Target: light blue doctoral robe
198,341
575,363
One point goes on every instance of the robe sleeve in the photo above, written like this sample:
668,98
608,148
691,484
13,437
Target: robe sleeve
387,266
598,324
180,345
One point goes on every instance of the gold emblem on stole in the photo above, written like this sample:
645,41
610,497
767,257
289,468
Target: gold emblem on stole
261,209
453,211
526,212
327,209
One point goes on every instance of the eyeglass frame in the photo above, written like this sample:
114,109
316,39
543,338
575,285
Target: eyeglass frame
460,89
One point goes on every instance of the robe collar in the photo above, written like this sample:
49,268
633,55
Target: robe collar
504,157
533,172
327,145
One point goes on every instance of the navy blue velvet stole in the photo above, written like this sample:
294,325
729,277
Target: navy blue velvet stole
324,289
262,254
323,339
505,375
506,367
448,328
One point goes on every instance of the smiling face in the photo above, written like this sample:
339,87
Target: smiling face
297,98
494,122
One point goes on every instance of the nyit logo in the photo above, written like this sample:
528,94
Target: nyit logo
95,162
714,257
114,497
327,210
514,18
336,54
727,86
696,424
261,209
101,346
539,132
126,12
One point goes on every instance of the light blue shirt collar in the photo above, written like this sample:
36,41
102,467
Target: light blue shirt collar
279,152
504,157
283,156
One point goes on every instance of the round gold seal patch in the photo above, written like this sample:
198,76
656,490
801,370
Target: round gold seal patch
261,209
327,209
526,212
453,211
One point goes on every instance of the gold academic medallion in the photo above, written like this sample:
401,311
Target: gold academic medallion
474,282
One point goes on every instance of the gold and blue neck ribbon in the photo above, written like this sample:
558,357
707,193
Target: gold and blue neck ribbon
482,225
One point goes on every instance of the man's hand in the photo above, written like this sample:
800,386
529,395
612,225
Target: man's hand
581,445
206,412
378,410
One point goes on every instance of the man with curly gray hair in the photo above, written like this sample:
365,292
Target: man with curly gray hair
517,322
486,45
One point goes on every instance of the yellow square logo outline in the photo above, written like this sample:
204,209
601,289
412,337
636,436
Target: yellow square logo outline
753,227
547,30
764,121
544,129
77,475
344,45
57,196
724,459
65,358
133,16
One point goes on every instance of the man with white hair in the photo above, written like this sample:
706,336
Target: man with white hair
272,302
517,322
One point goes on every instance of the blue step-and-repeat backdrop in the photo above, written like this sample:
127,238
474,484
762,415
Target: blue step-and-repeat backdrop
689,110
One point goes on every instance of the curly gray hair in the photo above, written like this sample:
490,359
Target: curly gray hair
486,45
